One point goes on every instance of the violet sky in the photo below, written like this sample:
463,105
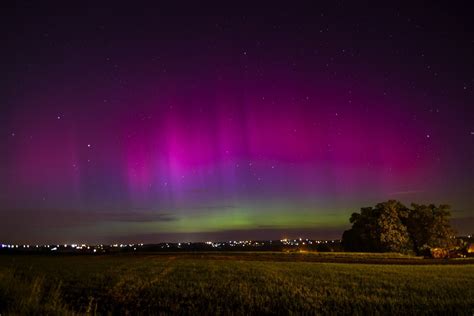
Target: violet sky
195,122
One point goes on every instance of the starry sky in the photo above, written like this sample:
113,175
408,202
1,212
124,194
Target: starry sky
192,122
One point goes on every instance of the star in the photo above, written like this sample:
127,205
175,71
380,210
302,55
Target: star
89,145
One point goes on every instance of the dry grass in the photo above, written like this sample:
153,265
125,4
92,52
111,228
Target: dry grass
228,284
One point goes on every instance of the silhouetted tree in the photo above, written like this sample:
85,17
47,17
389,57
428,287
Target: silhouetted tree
380,229
429,227
392,227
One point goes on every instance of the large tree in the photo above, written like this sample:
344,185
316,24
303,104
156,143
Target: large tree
392,227
429,227
380,228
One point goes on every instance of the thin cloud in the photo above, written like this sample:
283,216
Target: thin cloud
406,192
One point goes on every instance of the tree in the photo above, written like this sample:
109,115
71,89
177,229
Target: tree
392,227
428,226
393,234
379,229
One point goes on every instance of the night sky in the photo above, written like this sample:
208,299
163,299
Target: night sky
194,122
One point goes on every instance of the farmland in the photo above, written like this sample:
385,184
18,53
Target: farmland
235,283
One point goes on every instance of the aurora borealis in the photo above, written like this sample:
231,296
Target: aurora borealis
191,123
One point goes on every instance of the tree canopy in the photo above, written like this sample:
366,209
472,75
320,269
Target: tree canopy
392,227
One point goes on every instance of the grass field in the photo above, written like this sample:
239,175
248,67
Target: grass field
233,283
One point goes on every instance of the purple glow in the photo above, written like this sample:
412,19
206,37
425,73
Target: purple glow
173,124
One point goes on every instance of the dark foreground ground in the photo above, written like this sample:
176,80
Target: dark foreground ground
235,283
